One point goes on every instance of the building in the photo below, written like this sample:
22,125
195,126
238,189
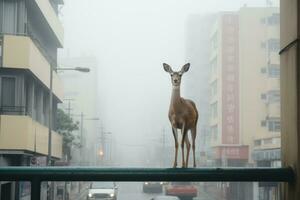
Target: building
224,98
245,99
259,61
30,35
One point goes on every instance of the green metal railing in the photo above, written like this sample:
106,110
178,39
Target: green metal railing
36,175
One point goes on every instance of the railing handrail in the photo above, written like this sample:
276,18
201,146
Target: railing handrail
147,174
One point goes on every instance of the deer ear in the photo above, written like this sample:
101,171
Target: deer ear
185,68
167,68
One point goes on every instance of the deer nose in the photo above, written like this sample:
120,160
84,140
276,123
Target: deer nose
175,81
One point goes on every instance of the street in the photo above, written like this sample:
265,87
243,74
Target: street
133,191
127,191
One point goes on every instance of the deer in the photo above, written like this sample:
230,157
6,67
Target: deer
183,115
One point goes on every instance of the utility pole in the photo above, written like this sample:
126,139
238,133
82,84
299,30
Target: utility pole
69,106
81,134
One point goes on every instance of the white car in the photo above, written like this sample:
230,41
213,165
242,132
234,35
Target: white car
102,190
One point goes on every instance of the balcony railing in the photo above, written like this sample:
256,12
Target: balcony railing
36,175
13,110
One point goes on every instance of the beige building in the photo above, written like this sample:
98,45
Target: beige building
259,84
30,35
245,94
245,100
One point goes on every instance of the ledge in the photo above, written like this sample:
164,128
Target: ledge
147,174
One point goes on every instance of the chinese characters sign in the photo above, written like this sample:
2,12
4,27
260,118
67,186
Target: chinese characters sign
230,79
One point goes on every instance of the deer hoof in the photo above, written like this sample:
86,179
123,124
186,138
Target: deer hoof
175,165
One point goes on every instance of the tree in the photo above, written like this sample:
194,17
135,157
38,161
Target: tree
66,127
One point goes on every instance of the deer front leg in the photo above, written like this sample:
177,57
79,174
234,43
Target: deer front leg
175,134
188,147
184,131
194,132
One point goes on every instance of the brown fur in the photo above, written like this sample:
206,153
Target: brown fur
183,115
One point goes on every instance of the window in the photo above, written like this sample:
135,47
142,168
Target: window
274,125
257,142
274,71
273,45
12,17
263,123
267,141
263,70
274,19
8,92
273,96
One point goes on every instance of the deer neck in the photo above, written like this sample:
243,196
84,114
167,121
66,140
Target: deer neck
176,98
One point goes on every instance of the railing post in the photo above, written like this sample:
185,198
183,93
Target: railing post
35,189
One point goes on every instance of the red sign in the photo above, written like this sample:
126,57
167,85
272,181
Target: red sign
236,152
230,79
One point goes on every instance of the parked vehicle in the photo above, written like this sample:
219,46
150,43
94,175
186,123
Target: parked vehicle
152,187
183,190
103,190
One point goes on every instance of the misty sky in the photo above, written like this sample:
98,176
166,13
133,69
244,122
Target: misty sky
131,39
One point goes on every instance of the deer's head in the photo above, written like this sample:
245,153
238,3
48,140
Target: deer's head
176,76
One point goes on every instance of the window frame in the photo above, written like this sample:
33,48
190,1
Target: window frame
16,93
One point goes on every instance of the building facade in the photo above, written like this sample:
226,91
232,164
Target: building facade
245,93
30,33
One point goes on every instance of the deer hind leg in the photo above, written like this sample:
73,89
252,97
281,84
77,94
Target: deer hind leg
194,133
188,147
175,134
184,131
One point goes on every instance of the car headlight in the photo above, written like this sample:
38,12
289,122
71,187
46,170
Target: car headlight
90,195
112,194
146,183
161,183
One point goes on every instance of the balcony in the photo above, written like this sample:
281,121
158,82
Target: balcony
30,58
24,134
50,16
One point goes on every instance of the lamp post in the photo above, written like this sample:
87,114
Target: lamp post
80,69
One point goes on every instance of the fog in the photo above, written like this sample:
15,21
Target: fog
130,40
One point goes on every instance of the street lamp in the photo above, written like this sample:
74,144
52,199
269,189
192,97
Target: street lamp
80,69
